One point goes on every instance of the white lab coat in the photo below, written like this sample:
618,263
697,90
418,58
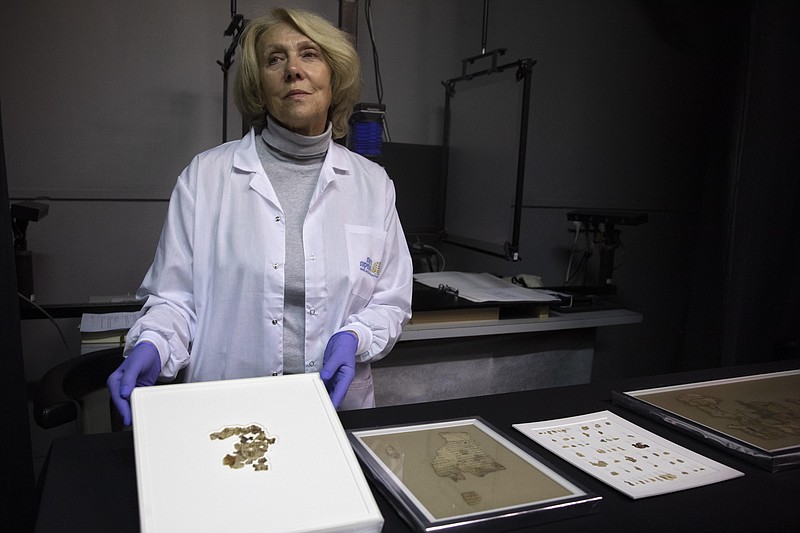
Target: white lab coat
214,293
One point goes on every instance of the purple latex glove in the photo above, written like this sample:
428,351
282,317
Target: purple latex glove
140,369
339,365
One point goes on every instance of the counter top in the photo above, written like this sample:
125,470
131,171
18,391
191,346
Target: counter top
556,321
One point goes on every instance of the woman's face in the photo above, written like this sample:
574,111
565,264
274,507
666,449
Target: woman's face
295,80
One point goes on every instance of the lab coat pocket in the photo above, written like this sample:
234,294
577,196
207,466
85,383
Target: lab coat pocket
364,253
361,393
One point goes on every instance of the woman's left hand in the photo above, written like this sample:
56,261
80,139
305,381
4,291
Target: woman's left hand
339,365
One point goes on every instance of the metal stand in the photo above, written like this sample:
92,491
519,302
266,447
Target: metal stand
234,30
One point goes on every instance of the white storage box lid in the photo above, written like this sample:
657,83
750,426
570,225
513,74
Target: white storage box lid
293,469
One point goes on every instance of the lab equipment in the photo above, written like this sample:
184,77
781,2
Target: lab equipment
602,224
22,213
482,167
366,130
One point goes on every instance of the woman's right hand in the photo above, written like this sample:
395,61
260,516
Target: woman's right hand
140,369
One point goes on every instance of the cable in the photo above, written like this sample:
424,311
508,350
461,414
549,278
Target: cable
376,63
581,264
419,246
584,261
621,249
53,320
438,254
578,226
587,252
375,59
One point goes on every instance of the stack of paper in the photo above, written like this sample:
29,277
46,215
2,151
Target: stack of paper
483,287
100,331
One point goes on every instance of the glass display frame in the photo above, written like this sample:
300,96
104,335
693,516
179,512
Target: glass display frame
465,475
754,417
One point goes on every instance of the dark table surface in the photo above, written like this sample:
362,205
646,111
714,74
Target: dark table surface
89,482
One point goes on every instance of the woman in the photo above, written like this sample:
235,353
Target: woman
281,252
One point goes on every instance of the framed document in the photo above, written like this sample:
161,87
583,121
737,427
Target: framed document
756,418
247,455
625,456
462,475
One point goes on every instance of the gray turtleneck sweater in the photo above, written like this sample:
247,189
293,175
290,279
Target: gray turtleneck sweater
292,163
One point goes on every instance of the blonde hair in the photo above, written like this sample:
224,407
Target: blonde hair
337,49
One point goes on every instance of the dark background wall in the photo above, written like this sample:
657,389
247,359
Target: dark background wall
17,510
684,110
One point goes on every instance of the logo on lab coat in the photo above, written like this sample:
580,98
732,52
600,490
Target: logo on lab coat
370,267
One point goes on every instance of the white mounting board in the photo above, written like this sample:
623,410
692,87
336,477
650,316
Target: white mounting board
314,481
629,458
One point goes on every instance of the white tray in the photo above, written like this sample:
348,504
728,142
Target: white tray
313,481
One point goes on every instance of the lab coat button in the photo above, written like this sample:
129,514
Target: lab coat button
312,311
275,266
312,257
278,218
311,363
274,322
